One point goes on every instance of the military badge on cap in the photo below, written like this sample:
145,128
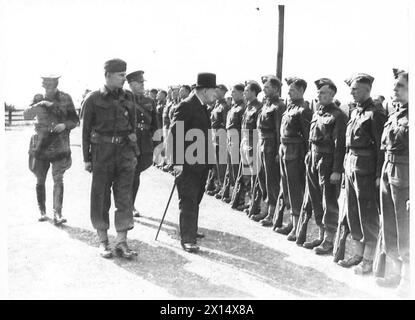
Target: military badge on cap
398,72
239,87
297,82
222,87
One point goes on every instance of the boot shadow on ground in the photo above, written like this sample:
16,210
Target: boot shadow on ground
264,263
161,266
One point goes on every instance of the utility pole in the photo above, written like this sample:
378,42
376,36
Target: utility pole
280,40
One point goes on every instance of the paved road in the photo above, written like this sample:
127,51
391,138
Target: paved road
239,259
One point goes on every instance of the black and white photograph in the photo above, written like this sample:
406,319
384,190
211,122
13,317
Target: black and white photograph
206,150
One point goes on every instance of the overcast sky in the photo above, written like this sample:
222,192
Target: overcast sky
174,40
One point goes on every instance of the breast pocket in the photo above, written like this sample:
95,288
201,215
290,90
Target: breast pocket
361,133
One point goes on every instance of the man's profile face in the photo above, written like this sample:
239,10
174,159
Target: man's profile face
269,89
115,79
359,91
249,94
400,90
183,93
161,96
325,95
295,92
175,94
137,87
153,95
237,95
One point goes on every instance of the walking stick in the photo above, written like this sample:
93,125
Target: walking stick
167,206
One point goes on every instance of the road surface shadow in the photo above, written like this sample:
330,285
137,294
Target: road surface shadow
161,266
266,264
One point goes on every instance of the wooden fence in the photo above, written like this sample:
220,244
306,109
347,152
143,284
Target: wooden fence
15,117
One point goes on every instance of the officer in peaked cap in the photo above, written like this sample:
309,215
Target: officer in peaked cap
146,125
362,165
294,133
109,143
55,117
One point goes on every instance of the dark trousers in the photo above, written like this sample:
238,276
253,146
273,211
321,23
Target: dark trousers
230,175
292,176
113,166
40,169
268,170
190,188
217,173
143,162
322,193
394,191
362,209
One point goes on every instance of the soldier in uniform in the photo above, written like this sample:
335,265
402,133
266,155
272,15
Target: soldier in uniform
109,147
324,166
268,124
161,104
184,92
167,114
248,165
191,115
146,125
233,131
218,124
55,117
394,189
362,165
153,95
295,128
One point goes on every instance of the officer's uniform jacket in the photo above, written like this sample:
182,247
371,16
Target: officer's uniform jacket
52,146
109,117
270,117
363,137
159,110
327,133
218,114
146,123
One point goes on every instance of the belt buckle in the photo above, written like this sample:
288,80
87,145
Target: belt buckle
115,139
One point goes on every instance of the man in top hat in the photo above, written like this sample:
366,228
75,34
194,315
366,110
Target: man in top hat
324,166
109,149
146,125
295,128
233,132
190,117
362,165
218,124
55,118
394,189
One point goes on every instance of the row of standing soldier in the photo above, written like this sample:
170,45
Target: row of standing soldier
301,158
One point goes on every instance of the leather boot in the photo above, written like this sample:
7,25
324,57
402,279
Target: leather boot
280,215
292,235
364,268
302,230
104,249
255,205
58,219
326,247
340,243
41,200
285,230
121,248
260,215
267,221
315,242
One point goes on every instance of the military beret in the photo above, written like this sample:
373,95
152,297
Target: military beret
265,78
222,87
154,91
399,72
115,65
164,92
297,82
325,81
239,87
253,85
186,87
134,76
360,77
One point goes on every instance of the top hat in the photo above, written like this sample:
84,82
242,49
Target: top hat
206,80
